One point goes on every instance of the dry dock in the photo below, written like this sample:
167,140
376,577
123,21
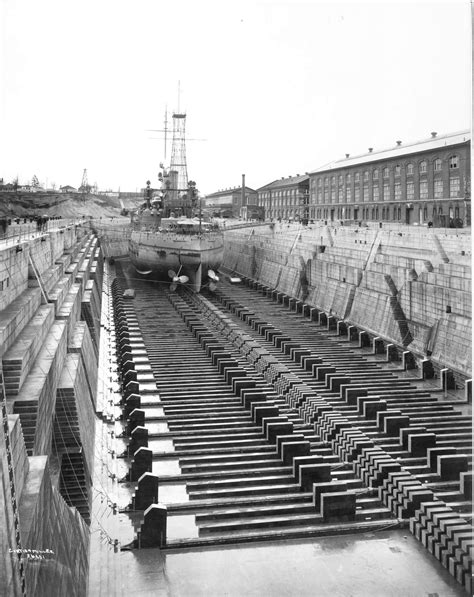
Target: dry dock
306,431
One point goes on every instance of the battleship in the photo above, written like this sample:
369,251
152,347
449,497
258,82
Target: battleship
170,239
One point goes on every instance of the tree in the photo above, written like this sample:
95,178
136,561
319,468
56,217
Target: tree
35,181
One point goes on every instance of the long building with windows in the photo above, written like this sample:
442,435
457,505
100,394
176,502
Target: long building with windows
285,198
426,182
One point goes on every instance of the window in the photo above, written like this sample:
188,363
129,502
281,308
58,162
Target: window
348,178
357,176
423,167
333,195
410,169
454,186
385,172
357,194
340,178
453,162
438,188
399,216
366,193
423,189
397,170
376,193
340,195
320,182
333,180
410,191
375,174
437,165
386,191
398,191
383,213
348,194
366,175
325,182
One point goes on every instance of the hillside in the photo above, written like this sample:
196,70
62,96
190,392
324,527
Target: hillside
14,205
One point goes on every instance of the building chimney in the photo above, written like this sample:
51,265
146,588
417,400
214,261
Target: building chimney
243,189
371,149
347,155
399,143
433,134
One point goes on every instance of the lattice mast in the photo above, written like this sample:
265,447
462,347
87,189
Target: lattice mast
178,167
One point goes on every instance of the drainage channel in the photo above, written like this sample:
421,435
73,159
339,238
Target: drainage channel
256,424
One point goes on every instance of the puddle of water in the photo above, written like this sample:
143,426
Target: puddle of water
152,398
157,427
152,413
161,445
144,378
166,466
148,387
172,493
145,366
181,527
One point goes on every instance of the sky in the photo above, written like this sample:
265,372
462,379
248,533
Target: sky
270,88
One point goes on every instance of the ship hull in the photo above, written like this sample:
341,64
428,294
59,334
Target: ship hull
155,253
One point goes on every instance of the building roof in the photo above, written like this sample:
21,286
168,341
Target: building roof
433,142
224,192
290,181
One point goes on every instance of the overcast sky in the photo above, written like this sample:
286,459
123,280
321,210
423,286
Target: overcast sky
274,88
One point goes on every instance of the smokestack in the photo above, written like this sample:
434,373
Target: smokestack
399,143
347,155
243,190
371,149
433,134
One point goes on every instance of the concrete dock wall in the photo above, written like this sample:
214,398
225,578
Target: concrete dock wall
47,353
409,285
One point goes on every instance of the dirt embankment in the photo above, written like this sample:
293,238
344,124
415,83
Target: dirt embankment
21,205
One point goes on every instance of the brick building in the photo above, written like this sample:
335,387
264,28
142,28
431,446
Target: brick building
286,198
421,182
227,203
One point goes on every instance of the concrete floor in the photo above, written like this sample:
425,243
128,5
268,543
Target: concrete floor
389,563
386,564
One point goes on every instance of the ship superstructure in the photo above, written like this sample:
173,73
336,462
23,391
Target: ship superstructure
169,239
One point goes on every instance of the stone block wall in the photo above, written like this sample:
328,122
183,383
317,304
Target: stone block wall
21,465
40,349
47,523
35,403
409,285
41,256
73,382
81,343
16,316
13,273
